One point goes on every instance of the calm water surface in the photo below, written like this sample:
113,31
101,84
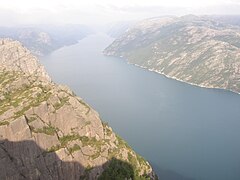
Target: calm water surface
186,132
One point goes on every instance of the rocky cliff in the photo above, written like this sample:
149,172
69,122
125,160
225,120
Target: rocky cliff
196,50
46,132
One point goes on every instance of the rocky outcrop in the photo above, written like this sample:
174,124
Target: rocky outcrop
14,57
192,49
46,132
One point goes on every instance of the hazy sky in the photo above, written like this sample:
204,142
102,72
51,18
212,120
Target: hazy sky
103,11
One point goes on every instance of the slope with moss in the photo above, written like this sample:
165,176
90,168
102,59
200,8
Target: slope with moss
33,108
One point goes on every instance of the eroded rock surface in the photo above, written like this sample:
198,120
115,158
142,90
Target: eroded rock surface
46,132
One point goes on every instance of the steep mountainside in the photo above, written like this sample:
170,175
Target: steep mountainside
42,40
227,19
192,49
46,132
116,29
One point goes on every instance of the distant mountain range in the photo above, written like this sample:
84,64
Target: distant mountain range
203,51
42,40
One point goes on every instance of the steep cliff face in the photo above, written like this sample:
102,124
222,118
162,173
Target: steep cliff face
14,57
46,132
192,49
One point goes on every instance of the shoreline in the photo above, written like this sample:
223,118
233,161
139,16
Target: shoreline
171,77
180,80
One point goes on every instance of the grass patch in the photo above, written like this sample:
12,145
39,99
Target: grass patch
87,106
54,148
49,130
31,119
117,170
74,148
62,102
21,112
68,138
122,143
3,123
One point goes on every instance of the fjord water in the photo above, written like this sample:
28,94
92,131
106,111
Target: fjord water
186,132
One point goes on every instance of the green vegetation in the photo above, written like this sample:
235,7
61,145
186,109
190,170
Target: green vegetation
122,143
105,124
87,123
33,102
49,130
63,142
68,138
88,168
21,112
7,77
74,148
83,103
86,141
136,161
54,148
2,123
61,103
106,128
31,119
141,160
33,95
23,96
119,170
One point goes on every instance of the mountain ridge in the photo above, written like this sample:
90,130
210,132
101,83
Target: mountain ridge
192,49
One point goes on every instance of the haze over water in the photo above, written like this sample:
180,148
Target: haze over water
186,132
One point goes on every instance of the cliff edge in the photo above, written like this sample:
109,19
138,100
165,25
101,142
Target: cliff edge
46,132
